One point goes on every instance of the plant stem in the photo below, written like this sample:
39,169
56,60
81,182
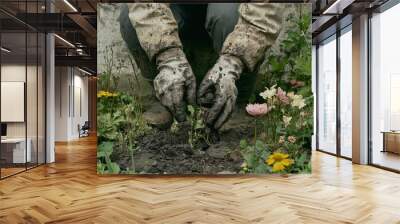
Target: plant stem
255,130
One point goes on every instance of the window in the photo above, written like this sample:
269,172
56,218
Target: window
346,92
385,89
327,95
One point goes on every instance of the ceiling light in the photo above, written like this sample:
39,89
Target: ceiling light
84,71
70,5
64,40
5,50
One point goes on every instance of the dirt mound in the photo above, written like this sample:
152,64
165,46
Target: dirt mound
164,152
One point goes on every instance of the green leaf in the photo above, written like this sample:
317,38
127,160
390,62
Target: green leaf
113,168
243,144
301,159
250,159
191,109
105,149
262,168
100,167
260,146
199,124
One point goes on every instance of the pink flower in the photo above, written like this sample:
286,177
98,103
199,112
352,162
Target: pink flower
257,110
296,83
282,96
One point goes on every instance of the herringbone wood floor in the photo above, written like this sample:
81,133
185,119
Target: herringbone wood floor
69,191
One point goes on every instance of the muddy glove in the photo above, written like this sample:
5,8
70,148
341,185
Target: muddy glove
175,84
219,86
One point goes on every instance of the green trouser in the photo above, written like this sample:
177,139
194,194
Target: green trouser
202,30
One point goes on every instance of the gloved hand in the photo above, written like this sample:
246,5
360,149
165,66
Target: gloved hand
218,88
175,84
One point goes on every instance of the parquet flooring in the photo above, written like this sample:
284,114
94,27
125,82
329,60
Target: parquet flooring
69,191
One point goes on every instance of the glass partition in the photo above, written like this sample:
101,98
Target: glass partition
13,92
41,96
327,95
31,97
22,77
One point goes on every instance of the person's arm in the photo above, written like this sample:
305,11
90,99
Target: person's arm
257,29
155,27
157,31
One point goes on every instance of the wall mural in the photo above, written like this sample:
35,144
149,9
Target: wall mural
218,88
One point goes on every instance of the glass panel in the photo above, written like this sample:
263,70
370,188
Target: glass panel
41,98
385,84
31,98
22,88
346,93
327,96
13,87
31,86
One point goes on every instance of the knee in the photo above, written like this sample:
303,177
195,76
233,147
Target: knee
128,32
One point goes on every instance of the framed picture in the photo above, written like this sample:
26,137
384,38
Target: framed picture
213,88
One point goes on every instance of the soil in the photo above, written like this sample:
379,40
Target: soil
164,152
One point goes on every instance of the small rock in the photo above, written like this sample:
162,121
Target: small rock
171,153
226,172
235,156
202,145
238,120
158,116
153,170
143,160
219,150
188,151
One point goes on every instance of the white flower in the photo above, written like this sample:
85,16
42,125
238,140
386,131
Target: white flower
286,120
292,139
268,93
298,101
281,139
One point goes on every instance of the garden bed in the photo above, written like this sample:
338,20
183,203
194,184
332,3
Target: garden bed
166,152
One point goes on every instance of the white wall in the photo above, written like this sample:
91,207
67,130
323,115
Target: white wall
385,77
70,83
62,81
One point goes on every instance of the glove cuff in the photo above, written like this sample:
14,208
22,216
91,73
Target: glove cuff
169,55
232,64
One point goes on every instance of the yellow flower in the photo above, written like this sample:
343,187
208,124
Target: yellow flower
279,161
106,94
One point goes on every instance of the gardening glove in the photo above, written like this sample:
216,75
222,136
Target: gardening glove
218,88
175,83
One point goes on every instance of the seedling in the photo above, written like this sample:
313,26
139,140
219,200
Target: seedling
198,133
